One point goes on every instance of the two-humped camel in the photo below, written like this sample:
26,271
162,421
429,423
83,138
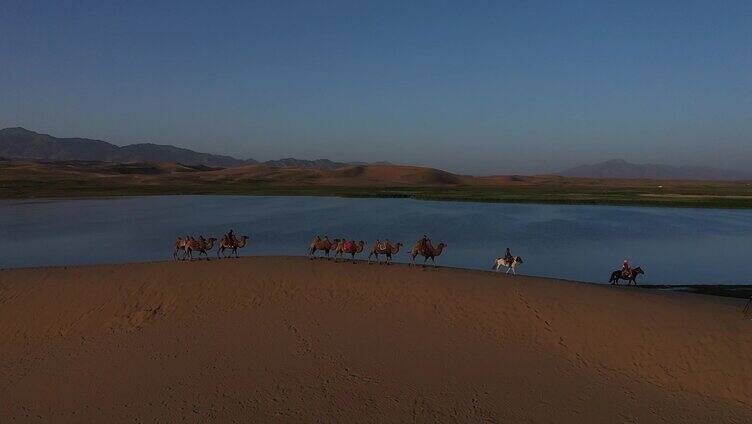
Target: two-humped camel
232,244
385,248
180,246
325,245
426,250
200,246
348,246
188,245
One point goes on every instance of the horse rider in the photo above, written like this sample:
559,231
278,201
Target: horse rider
508,256
626,270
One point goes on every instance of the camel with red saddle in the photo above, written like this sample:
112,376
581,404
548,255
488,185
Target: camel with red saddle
348,246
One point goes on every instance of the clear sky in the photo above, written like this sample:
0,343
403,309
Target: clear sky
476,87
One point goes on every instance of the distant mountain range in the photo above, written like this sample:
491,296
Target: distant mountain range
621,169
20,143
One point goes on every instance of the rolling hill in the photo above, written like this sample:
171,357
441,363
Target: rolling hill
621,169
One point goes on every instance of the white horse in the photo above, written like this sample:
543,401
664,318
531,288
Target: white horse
511,265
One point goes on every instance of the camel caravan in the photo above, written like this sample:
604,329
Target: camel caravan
188,244
387,249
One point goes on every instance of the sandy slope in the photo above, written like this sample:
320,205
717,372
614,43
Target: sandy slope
350,176
288,340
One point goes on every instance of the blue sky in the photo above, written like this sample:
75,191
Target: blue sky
476,87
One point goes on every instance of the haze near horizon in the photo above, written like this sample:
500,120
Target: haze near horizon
505,87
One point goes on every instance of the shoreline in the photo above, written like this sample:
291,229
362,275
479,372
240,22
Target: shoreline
737,291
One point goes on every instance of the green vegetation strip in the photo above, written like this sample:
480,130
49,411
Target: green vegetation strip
695,197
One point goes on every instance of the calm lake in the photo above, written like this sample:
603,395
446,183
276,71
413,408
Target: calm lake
573,242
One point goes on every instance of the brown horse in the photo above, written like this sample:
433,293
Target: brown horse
631,278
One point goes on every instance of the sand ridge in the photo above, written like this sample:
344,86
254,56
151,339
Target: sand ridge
291,340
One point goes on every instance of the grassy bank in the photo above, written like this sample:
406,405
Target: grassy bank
712,196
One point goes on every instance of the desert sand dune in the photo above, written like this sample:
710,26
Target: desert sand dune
291,340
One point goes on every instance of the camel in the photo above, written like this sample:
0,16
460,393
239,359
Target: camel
180,243
511,265
385,248
324,245
337,244
631,278
199,246
429,252
226,243
350,247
